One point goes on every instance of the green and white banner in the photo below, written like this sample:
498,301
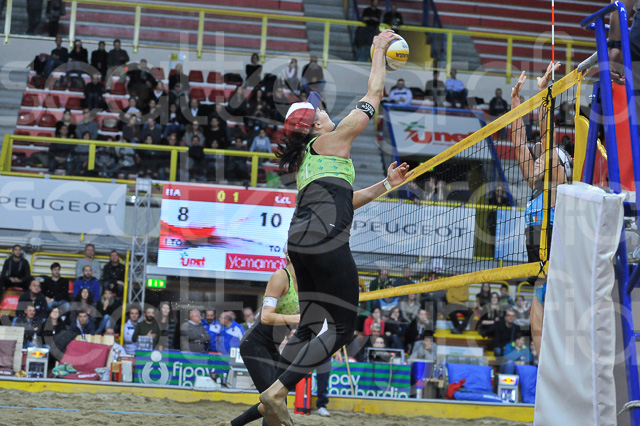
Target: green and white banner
175,368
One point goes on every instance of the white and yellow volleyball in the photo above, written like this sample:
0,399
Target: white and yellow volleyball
397,54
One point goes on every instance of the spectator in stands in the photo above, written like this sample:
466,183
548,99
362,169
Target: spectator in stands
409,307
152,129
117,56
289,77
436,90
455,310
86,301
100,59
279,104
87,125
368,342
313,76
491,314
394,329
52,327
93,93
388,303
34,13
456,92
59,56
380,281
261,143
485,294
131,132
212,326
216,136
505,300
434,301
364,310
107,305
55,10
141,81
249,319
253,71
15,270
88,281
406,277
418,328
33,297
148,327
179,97
79,53
497,107
427,351
364,35
193,336
31,325
132,109
106,161
515,352
82,325
197,160
231,335
113,274
56,289
167,324
60,153
128,160
374,318
174,121
393,18
236,167
400,94
238,105
158,91
195,112
88,259
497,198
177,76
522,313
67,120
129,328
192,130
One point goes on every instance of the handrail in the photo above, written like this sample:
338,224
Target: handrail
265,17
7,149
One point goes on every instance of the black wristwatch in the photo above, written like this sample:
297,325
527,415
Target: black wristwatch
614,44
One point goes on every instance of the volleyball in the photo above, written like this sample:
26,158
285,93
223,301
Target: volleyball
397,54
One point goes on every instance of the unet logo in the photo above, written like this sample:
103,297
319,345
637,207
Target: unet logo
420,134
190,261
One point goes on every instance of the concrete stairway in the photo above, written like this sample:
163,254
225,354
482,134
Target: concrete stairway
19,19
340,45
13,82
464,55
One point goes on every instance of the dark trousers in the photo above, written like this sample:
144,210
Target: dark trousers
322,377
34,12
53,27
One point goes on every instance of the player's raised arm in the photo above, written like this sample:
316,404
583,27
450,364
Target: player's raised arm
519,137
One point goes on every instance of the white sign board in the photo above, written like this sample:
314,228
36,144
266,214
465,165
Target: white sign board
62,206
423,132
410,229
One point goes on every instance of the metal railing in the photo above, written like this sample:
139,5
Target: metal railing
8,145
204,12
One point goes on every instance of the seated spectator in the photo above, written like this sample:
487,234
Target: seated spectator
505,332
81,156
249,318
84,301
52,327
485,294
87,124
100,59
289,77
158,91
522,313
113,274
148,327
129,328
89,252
33,297
132,109
434,301
15,270
456,92
197,160
174,122
106,161
67,120
179,77
88,281
409,307
279,104
93,94
59,56
497,198
193,129
238,105
131,132
261,143
60,153
426,351
368,341
193,336
231,335
167,324
253,71
505,299
107,305
56,290
394,329
258,107
400,94
418,328
128,160
152,129
213,327
117,56
406,277
82,325
388,303
180,98
457,308
79,53
436,90
141,81
374,318
498,106
515,352
491,314
381,281
216,135
313,76
236,167
31,325
393,18
195,112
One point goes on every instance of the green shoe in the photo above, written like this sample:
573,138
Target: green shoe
59,371
69,368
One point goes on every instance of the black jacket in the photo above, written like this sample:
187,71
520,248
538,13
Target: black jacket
56,290
42,308
19,269
193,338
99,60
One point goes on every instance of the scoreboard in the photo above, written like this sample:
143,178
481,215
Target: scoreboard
224,228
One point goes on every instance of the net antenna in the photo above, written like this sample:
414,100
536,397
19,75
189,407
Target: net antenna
553,41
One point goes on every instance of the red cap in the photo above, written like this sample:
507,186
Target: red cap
301,115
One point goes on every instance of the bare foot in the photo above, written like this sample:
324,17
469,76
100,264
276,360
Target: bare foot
276,411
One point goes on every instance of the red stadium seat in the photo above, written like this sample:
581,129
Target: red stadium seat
36,82
233,79
59,84
21,132
196,76
158,73
30,100
118,88
217,96
51,101
214,77
26,119
49,134
172,72
198,93
47,120
74,102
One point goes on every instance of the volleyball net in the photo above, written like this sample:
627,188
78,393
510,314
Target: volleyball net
463,212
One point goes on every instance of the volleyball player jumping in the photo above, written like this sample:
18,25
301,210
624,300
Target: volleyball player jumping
318,151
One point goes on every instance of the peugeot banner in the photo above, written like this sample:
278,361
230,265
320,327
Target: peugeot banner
62,206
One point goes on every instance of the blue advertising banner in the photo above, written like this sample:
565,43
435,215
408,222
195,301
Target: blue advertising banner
176,368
